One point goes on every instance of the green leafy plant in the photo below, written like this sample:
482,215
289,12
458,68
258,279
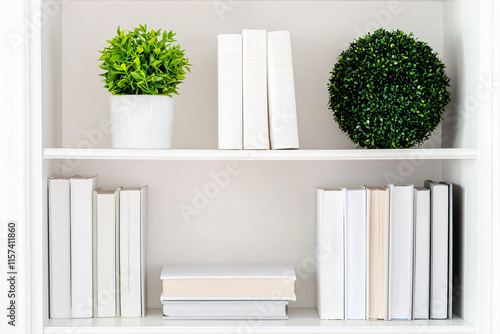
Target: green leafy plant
388,90
143,61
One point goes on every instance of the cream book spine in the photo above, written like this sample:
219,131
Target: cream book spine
281,90
230,91
255,114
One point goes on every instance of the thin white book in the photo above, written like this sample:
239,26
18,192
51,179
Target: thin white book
132,229
440,249
355,254
377,207
281,89
105,254
59,247
255,115
225,309
230,91
330,253
400,252
81,246
422,252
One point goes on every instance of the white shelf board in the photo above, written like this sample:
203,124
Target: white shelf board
301,321
174,154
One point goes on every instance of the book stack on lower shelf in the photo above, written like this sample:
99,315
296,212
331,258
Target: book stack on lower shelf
385,252
236,291
96,249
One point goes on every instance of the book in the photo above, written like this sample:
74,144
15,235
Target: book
230,91
255,116
400,252
283,128
355,254
59,247
377,203
106,299
330,253
225,309
228,282
132,210
422,252
81,246
440,286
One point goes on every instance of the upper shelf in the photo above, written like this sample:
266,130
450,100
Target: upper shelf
287,155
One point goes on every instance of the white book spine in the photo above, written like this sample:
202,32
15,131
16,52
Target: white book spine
59,248
330,253
230,81
282,108
81,246
255,116
355,255
421,269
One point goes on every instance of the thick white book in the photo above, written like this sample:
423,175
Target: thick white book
283,128
225,309
255,116
440,285
377,207
400,252
330,253
230,90
422,252
59,247
132,229
81,246
355,254
105,255
228,282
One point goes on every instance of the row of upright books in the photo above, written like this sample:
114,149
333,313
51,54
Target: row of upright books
385,252
96,249
227,291
256,92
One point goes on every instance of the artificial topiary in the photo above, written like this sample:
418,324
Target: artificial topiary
388,90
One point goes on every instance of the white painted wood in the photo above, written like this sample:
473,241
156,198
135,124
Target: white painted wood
287,155
301,321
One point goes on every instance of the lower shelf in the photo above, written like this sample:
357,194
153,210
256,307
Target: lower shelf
300,321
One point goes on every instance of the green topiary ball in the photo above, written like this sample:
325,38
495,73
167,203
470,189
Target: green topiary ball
388,90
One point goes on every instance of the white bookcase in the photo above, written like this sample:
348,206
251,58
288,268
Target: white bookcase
209,206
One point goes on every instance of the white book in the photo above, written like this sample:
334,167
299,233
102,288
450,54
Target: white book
440,246
422,252
282,108
255,117
330,253
105,255
81,246
355,254
400,252
225,309
230,84
132,229
59,247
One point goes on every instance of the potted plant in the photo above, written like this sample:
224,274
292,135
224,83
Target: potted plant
388,90
142,71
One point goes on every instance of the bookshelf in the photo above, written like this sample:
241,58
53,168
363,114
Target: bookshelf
266,212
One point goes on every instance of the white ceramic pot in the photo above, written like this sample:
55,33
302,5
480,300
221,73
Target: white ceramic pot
141,121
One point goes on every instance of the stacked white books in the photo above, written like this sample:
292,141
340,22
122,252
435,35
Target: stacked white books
96,249
256,92
230,291
385,252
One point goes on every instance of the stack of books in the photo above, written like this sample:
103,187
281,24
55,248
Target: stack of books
96,249
236,291
385,252
256,93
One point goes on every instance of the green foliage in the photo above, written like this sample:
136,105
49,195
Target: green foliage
143,62
388,90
